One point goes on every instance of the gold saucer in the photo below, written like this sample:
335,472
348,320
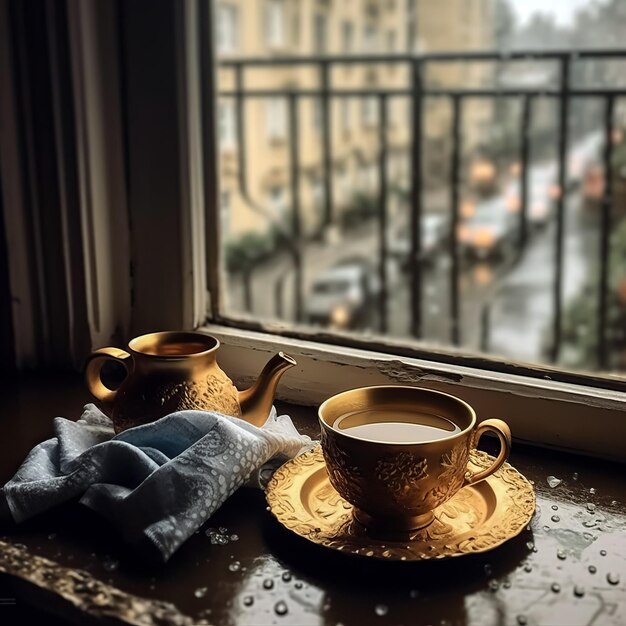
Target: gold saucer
478,518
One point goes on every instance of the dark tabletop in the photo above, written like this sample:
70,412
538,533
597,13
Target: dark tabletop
568,567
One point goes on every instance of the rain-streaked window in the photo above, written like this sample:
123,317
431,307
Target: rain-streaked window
468,193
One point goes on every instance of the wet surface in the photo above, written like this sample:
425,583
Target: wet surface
567,567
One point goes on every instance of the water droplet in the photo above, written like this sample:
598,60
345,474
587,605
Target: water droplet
200,592
575,476
52,536
110,564
612,578
248,600
494,585
507,584
555,507
286,576
589,523
592,569
555,518
268,583
553,481
223,530
561,554
298,585
530,545
546,528
602,552
235,566
522,620
592,491
381,609
528,567
234,537
280,608
591,507
555,587
487,569
579,591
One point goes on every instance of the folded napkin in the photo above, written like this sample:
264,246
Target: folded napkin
157,482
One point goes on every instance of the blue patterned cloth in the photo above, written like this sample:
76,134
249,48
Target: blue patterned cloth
159,481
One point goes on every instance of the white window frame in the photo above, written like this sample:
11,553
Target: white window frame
227,31
276,119
576,417
581,414
274,23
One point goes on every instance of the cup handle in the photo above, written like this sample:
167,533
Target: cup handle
501,429
93,367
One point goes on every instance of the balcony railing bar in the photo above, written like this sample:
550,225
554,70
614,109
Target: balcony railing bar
294,179
605,229
382,209
455,303
425,92
451,57
524,159
560,208
417,92
417,119
327,144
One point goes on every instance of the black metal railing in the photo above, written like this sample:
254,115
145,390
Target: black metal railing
416,91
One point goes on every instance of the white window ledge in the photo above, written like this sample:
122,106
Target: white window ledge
569,417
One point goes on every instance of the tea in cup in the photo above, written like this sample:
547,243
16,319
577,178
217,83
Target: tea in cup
396,453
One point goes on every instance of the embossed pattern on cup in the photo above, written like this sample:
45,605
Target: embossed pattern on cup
397,485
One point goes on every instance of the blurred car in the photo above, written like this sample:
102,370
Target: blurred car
343,296
491,232
434,235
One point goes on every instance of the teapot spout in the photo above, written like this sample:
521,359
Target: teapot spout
256,401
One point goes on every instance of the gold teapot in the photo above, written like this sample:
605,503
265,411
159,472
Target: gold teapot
174,371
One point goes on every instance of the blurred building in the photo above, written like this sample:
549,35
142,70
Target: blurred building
275,28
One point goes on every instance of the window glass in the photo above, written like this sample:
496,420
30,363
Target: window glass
512,165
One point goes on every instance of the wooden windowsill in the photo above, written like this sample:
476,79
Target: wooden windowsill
322,586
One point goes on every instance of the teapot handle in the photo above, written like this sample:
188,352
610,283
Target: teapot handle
93,367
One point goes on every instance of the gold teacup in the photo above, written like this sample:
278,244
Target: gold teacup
396,453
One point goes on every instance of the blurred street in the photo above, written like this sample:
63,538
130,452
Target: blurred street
506,297
517,290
